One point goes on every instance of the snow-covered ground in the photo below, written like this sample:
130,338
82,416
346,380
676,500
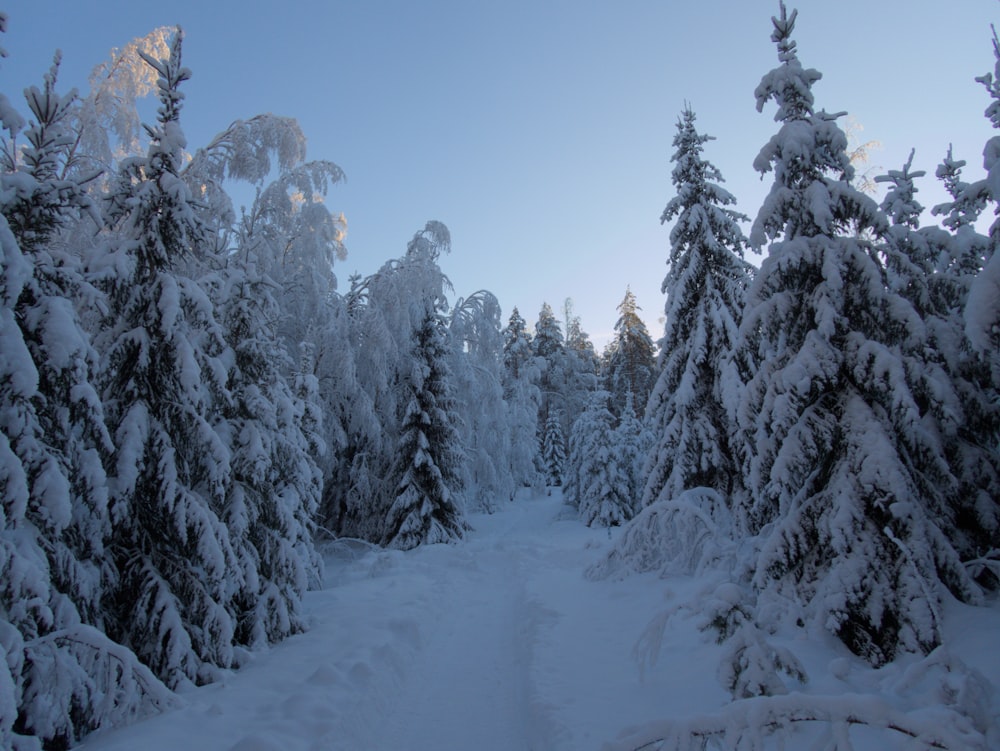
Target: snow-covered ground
500,643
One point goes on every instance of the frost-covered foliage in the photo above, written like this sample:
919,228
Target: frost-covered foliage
164,386
569,369
523,398
553,448
68,463
599,466
382,313
950,384
166,446
296,237
692,404
106,123
426,507
635,441
274,487
835,447
628,369
477,347
690,534
581,368
63,677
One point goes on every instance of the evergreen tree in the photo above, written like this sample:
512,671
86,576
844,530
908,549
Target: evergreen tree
691,409
553,448
72,512
833,433
634,441
59,668
958,470
165,386
426,506
517,345
274,486
580,369
629,367
521,393
601,483
548,340
385,311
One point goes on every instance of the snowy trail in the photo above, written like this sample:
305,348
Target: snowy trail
494,644
498,643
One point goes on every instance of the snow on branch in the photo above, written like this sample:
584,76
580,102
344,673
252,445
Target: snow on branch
750,723
689,534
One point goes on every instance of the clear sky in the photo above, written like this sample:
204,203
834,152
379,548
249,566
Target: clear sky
539,131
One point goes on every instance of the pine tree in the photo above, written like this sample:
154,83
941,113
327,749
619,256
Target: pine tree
165,386
426,506
832,431
691,408
629,368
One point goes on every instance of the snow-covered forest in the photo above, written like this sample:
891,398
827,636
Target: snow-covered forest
198,419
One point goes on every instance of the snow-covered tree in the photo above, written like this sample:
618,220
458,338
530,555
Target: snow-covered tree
384,311
477,349
833,435
602,476
53,443
553,448
274,486
629,362
427,503
165,386
958,470
39,204
691,408
634,440
105,122
579,371
521,393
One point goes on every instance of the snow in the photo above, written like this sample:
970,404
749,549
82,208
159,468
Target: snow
500,643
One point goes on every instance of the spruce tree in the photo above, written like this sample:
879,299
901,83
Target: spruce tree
521,393
629,368
54,523
274,486
427,506
165,385
553,448
477,352
832,432
691,408
958,469
601,481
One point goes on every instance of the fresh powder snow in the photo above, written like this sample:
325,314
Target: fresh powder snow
499,642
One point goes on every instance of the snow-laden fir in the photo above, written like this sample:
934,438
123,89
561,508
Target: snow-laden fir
243,509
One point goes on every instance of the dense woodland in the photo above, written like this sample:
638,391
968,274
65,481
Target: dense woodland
188,405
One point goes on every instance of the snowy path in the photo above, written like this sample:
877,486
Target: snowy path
495,644
499,643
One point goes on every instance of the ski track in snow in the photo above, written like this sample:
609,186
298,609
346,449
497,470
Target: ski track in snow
494,644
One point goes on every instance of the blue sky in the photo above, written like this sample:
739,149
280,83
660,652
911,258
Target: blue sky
539,131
